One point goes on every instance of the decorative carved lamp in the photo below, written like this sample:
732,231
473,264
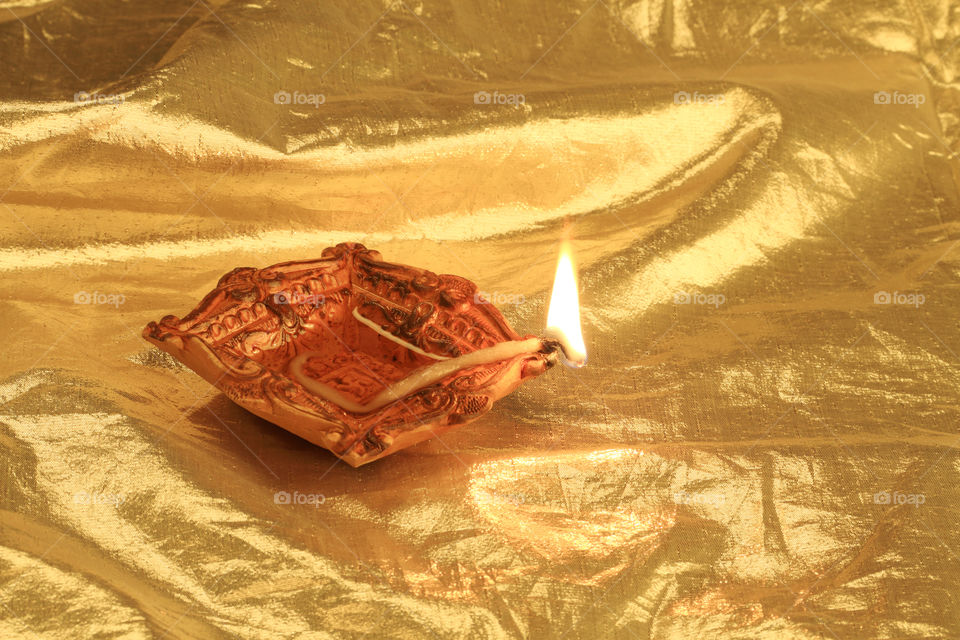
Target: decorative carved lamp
361,356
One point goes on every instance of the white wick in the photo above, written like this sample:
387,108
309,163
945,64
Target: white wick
418,379
389,336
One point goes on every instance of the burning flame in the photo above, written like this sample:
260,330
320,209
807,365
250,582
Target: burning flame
563,315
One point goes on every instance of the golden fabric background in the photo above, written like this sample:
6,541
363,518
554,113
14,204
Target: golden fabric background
716,471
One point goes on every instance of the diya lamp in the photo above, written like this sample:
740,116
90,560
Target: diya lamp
361,356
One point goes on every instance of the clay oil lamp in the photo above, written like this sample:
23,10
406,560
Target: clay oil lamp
361,356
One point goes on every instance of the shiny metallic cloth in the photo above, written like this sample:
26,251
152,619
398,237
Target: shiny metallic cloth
764,207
